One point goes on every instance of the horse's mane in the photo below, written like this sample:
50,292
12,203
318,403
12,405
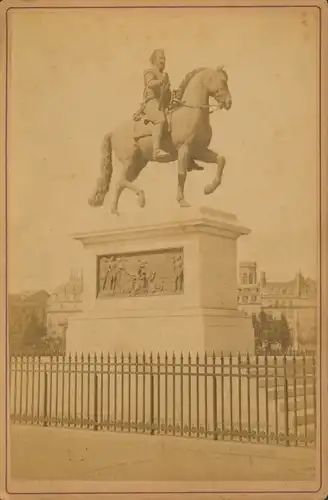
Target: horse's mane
186,80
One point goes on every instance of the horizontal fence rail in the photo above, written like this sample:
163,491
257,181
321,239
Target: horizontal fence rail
248,398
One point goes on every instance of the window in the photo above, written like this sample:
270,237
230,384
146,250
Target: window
254,298
245,279
250,279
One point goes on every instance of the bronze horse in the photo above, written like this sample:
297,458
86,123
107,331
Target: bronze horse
190,137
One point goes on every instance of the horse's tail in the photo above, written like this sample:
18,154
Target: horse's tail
106,170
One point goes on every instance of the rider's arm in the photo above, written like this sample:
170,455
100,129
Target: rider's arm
151,81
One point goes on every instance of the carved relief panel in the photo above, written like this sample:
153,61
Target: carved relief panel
143,274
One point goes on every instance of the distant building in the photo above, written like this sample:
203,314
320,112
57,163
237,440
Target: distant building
296,299
21,308
65,301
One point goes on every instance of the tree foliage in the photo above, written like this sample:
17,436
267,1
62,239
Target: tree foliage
269,330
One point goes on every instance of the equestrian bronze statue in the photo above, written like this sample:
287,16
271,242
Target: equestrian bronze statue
169,126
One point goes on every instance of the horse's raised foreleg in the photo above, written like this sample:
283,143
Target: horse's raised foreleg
209,156
183,163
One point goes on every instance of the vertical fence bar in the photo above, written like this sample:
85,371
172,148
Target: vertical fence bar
33,388
115,390
63,392
122,391
314,375
231,400
95,407
197,394
143,392
45,398
57,389
101,420
15,386
240,429
82,391
158,394
205,392
173,393
257,399
50,389
305,400
222,397
249,425
151,381
166,392
151,400
20,420
129,392
27,388
137,391
276,418
89,390
75,388
38,390
295,399
181,391
267,437
189,394
215,403
108,391
69,388
286,405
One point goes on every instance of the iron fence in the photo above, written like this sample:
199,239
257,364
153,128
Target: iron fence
262,399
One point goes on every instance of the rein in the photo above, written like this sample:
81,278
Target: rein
211,107
215,107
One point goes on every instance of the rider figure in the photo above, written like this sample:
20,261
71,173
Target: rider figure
157,96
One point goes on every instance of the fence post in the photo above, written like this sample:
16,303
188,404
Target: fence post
215,416
96,402
45,402
151,404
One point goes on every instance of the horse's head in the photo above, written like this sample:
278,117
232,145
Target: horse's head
216,81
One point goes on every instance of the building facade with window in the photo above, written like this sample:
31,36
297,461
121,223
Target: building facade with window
296,299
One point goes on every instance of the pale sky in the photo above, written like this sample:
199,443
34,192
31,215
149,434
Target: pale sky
76,74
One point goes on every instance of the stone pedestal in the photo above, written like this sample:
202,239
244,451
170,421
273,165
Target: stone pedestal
135,297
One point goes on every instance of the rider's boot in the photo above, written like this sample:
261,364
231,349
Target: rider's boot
158,153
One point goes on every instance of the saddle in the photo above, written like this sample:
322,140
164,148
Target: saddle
143,127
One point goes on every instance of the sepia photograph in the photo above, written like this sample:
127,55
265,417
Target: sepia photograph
164,230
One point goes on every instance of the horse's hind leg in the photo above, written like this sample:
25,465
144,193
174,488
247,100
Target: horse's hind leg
183,162
117,194
130,173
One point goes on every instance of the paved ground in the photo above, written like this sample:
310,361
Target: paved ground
67,454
